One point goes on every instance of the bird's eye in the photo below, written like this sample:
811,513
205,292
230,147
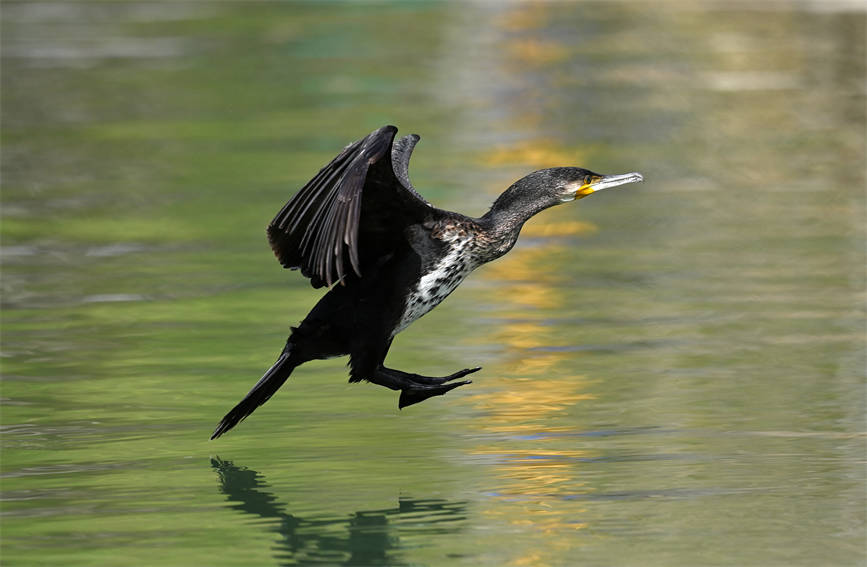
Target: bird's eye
587,180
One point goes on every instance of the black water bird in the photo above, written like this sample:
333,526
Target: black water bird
388,256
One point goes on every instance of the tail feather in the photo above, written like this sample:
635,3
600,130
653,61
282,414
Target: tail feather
259,394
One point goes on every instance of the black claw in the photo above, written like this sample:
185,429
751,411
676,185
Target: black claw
420,393
461,373
437,380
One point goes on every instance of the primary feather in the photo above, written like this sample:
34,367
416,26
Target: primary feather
317,230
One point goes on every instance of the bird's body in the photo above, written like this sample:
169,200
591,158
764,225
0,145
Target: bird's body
389,257
440,274
460,245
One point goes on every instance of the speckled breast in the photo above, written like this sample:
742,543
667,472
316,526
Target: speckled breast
442,279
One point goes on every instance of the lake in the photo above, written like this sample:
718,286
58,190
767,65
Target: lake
673,372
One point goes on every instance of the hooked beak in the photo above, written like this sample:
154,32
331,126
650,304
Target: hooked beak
598,183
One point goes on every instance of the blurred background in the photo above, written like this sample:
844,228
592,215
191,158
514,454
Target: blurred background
673,371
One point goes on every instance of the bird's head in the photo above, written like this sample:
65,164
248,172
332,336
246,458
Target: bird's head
548,187
565,184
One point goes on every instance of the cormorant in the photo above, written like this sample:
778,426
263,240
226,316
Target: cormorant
388,256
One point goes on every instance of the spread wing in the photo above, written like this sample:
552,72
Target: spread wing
365,188
400,154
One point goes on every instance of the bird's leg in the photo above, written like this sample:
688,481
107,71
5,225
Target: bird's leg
367,364
417,388
399,380
431,380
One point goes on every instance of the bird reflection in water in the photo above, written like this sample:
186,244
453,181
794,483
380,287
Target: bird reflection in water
371,537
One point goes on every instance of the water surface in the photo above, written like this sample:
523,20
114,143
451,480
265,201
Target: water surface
673,372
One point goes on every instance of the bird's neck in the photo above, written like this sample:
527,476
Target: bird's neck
515,207
502,225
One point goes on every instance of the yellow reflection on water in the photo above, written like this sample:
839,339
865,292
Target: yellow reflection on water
521,264
528,427
561,228
537,153
534,51
524,17
529,400
531,474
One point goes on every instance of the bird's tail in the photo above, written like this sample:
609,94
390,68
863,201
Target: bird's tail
260,393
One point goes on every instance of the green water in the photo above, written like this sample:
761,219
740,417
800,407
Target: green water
673,371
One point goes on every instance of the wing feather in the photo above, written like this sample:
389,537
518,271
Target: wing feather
400,154
297,207
317,230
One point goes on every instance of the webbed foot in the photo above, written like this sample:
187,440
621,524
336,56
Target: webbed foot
415,388
415,393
